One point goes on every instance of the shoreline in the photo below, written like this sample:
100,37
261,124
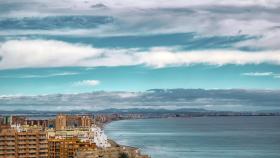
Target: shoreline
102,125
115,144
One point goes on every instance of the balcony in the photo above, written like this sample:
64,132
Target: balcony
43,155
32,137
22,151
44,151
8,152
22,147
43,142
7,147
43,146
10,143
32,146
32,151
8,139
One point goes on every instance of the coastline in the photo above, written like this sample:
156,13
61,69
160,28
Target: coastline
130,150
228,130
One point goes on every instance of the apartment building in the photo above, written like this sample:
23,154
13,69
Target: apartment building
66,148
42,123
63,122
23,143
111,152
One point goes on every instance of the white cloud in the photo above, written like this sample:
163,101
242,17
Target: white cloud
214,57
47,53
85,5
270,39
258,74
128,94
87,83
43,76
206,17
50,53
43,53
262,74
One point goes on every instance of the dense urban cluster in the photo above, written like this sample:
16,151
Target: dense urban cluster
65,136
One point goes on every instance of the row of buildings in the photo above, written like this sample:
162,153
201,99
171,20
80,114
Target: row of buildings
61,121
66,136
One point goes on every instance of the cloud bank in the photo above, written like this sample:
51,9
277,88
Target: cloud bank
258,18
50,53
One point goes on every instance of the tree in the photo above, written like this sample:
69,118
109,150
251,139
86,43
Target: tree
123,155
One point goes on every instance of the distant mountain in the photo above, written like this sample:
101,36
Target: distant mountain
149,110
154,100
99,6
110,110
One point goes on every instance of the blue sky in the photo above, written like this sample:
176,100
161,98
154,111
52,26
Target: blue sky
34,81
73,46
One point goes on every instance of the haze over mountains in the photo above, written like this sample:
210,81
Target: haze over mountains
169,99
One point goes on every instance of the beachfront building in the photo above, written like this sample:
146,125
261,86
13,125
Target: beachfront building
93,135
38,122
100,139
110,152
64,143
63,122
67,147
81,127
74,136
12,120
23,142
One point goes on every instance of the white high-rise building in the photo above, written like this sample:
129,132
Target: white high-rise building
100,139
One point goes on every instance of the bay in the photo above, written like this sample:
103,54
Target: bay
201,137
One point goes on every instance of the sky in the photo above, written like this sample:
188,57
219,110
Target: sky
50,47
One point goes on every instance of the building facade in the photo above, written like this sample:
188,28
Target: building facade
63,122
23,144
60,122
40,123
66,148
111,152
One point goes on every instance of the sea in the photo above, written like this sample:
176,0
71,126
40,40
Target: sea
201,137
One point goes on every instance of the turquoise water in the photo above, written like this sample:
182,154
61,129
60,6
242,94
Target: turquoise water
201,137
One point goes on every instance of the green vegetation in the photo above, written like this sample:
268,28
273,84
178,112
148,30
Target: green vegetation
123,155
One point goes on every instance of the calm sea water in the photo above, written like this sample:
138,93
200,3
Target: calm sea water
201,137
